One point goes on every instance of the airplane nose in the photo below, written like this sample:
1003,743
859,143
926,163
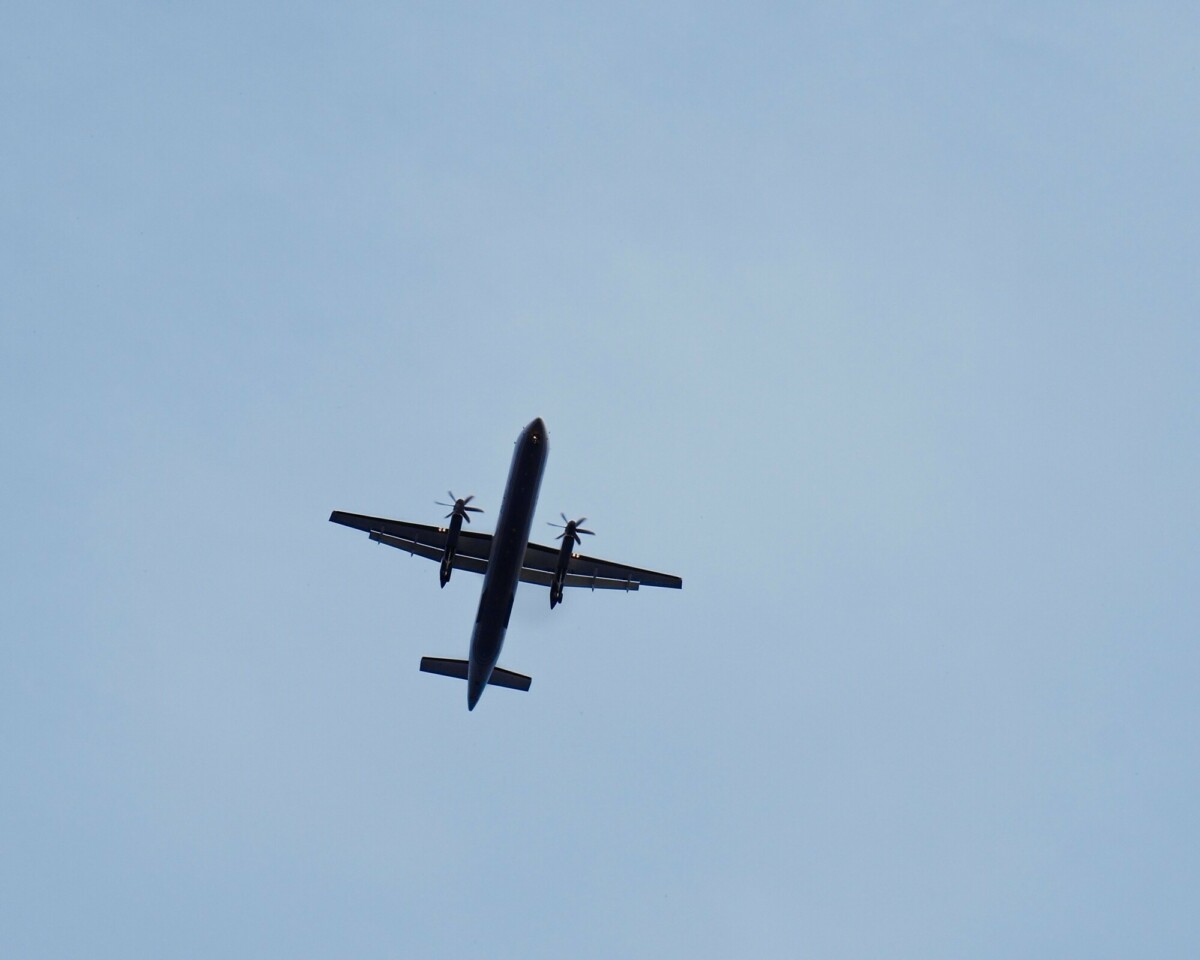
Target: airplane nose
537,429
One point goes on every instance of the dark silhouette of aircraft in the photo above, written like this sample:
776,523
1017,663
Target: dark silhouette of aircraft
505,558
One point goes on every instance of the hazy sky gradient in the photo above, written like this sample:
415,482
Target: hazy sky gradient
878,324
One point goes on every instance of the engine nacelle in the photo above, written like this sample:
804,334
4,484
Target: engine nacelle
458,513
560,572
451,548
571,529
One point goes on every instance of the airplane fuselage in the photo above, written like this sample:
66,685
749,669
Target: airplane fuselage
507,556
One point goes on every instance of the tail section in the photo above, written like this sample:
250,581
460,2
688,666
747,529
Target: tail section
500,677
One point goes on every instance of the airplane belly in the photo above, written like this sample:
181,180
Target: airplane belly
508,553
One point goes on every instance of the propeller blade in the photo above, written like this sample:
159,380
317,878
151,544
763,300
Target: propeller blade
571,527
459,506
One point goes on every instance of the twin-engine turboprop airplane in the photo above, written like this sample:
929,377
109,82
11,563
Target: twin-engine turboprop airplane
504,558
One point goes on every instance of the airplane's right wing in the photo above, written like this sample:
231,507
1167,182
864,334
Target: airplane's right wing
540,563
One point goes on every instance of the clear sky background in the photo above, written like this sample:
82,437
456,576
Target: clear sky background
877,323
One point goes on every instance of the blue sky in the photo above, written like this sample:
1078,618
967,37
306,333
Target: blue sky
876,323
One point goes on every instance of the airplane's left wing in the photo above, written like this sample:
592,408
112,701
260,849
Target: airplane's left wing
421,540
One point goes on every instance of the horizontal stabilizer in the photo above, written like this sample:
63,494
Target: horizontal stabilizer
443,666
506,678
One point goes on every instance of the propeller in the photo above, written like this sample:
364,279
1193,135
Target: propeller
459,507
571,529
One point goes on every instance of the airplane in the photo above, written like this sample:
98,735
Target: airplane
504,558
